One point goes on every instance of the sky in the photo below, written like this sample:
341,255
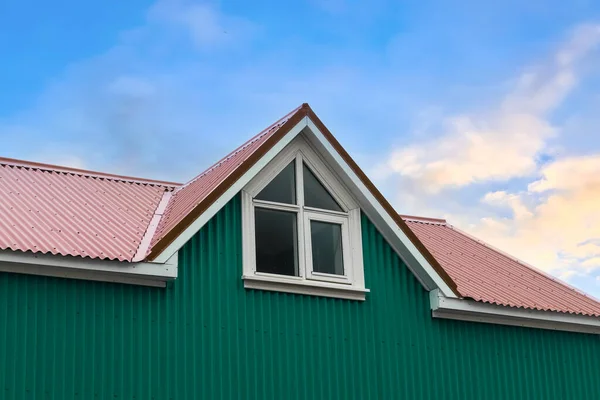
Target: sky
483,114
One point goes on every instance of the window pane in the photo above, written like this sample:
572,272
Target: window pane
315,194
276,242
326,240
282,188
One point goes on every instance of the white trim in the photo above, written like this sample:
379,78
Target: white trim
311,288
475,311
401,244
300,152
234,189
348,263
143,273
276,206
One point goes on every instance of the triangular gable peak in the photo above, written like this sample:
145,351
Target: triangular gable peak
195,203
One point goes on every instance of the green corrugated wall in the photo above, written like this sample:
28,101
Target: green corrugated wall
206,337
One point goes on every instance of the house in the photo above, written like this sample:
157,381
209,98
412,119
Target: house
280,272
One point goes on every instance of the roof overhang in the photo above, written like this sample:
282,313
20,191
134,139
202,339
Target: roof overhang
475,311
372,202
140,273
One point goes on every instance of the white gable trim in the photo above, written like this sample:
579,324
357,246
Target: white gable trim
475,311
401,244
143,273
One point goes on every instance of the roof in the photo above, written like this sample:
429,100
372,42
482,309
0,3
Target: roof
58,210
73,212
193,198
486,274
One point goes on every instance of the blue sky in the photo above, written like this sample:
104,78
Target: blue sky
481,113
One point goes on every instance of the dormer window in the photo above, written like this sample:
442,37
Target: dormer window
302,228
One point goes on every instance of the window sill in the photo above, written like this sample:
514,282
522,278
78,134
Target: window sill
311,288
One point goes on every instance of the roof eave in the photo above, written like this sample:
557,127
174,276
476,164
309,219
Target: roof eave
475,311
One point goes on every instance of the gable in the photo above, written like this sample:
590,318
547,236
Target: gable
204,196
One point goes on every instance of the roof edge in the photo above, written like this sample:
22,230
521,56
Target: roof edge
475,311
13,162
243,146
414,218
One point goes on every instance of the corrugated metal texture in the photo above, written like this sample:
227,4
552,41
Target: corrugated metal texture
188,196
45,209
488,275
206,337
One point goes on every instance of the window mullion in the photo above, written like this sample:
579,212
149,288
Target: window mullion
302,261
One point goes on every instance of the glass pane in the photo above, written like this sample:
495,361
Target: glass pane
276,242
326,240
282,188
315,194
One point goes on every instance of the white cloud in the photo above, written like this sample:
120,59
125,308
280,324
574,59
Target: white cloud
592,263
205,24
502,143
550,216
559,230
512,201
573,173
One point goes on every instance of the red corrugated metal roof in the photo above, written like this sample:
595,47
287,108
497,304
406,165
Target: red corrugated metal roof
188,196
66,211
486,274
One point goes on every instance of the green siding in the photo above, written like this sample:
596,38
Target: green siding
205,336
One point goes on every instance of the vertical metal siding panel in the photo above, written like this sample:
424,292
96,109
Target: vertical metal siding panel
205,336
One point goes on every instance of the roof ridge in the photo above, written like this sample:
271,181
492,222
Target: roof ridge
13,162
243,146
523,263
428,220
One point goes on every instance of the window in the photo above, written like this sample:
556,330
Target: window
301,228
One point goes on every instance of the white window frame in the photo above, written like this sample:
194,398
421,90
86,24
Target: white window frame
342,220
350,285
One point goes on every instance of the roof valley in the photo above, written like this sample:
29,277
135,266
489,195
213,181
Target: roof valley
144,246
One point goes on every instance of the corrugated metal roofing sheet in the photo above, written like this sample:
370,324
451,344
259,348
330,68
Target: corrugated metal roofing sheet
50,209
486,274
188,196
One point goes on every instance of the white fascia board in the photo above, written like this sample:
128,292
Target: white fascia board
214,208
475,311
134,273
401,244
